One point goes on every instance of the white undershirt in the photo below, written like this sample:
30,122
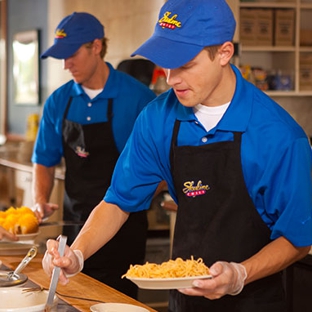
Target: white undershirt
91,93
209,116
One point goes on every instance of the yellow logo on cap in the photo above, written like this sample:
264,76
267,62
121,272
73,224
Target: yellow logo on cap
169,22
59,34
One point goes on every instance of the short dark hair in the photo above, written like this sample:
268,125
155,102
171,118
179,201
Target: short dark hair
212,51
104,46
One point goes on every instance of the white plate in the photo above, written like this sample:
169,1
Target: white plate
10,249
27,237
17,300
23,238
166,283
116,307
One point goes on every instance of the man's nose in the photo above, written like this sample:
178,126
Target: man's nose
66,63
171,76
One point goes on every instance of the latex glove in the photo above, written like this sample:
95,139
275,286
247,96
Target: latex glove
44,210
228,279
238,281
71,263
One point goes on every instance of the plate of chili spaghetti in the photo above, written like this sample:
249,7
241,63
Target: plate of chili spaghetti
172,274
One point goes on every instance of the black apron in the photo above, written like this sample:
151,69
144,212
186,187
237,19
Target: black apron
217,220
90,156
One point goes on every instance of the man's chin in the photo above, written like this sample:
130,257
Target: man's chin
78,81
185,102
183,99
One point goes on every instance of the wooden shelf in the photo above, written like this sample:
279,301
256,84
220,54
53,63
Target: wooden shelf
267,4
277,58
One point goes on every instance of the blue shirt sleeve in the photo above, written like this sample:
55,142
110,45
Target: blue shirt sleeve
286,201
48,149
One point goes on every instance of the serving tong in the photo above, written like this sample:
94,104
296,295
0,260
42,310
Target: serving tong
55,275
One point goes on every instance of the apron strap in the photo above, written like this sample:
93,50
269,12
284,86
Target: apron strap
67,107
110,110
174,142
237,136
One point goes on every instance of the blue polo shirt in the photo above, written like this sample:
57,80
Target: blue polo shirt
275,153
129,97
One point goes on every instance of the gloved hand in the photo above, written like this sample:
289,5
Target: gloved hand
71,263
44,210
80,259
235,274
228,279
238,280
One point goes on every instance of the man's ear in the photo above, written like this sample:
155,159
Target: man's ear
226,52
97,45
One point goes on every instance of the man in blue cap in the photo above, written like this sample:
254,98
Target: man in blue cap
88,121
237,165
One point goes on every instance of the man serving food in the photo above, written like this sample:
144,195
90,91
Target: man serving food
237,165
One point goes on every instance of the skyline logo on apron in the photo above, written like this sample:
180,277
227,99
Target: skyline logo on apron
81,152
192,191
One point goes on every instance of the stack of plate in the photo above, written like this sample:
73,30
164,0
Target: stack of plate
24,243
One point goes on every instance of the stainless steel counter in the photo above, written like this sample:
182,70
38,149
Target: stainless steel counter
17,155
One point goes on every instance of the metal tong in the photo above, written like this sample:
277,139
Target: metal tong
55,274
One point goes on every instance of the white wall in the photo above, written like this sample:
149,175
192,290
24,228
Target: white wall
128,23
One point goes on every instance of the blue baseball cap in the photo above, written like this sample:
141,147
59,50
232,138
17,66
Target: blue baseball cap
72,32
184,28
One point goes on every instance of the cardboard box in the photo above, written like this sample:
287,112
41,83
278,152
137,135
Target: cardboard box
247,30
264,27
305,59
306,37
284,27
305,78
256,27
